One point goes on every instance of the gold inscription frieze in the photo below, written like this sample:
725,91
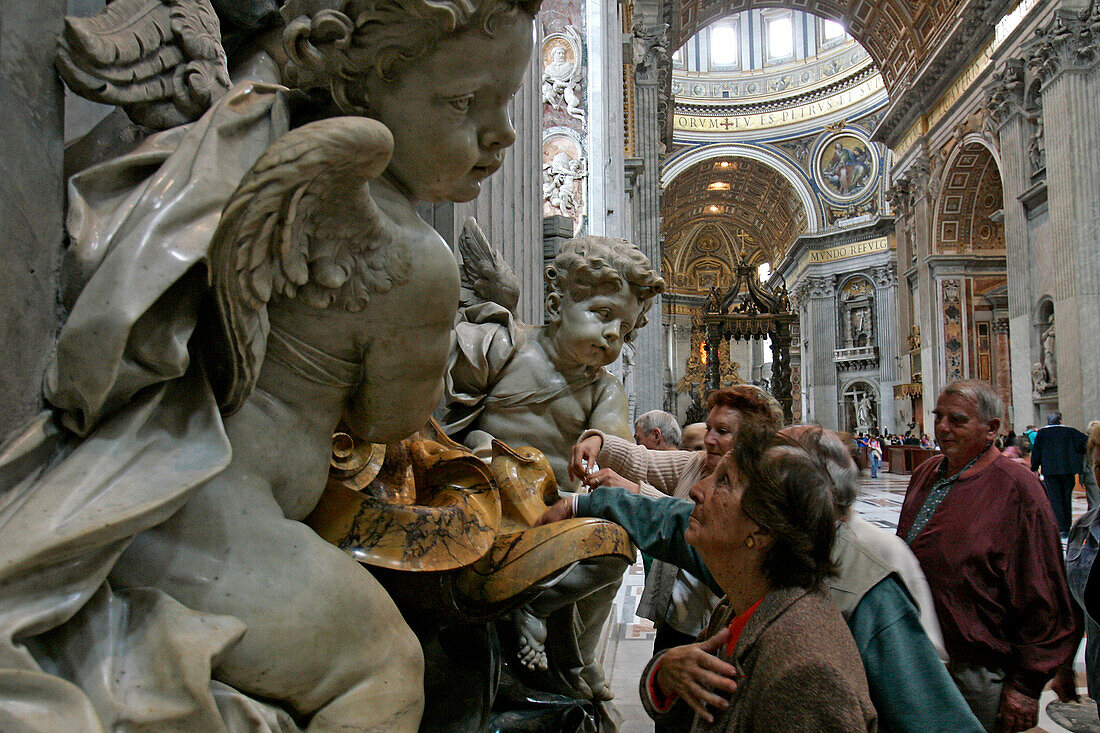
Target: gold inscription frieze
844,251
780,117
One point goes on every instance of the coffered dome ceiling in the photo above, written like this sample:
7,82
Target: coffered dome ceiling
899,34
707,207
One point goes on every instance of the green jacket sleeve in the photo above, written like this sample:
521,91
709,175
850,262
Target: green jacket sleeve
910,687
655,525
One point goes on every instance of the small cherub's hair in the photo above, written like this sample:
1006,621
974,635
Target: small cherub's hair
588,265
335,45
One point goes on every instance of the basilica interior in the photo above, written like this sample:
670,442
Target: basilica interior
915,179
852,203
883,165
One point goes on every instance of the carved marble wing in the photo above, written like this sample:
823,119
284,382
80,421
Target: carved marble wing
485,274
301,224
162,61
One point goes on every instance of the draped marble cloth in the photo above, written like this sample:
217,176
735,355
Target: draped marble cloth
134,431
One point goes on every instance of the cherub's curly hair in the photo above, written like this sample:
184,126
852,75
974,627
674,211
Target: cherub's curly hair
585,265
334,45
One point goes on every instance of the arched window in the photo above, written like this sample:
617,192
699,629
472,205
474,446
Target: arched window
724,47
778,38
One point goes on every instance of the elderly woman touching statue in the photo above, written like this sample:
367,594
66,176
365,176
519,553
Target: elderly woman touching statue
874,588
776,655
776,648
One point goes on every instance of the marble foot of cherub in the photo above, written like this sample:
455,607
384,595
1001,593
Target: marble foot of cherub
530,639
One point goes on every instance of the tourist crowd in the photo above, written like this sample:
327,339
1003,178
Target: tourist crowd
779,608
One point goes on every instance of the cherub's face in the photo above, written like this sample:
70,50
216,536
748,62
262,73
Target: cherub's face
590,332
449,110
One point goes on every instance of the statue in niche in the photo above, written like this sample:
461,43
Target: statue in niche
864,412
561,76
1050,358
1036,146
544,386
245,282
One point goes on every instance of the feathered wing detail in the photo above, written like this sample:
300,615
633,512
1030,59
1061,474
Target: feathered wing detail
485,274
301,224
160,60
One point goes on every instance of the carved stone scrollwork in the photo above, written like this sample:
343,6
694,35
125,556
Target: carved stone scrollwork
1071,41
885,276
1006,92
900,196
1000,325
818,286
921,178
649,45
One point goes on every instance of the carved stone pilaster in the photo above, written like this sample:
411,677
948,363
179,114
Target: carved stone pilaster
820,286
1071,41
920,176
900,196
649,44
1006,92
885,276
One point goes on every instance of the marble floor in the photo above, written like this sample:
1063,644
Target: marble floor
631,640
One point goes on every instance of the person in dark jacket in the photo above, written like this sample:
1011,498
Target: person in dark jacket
1058,452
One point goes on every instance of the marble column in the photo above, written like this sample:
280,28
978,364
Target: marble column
650,356
509,208
1002,365
32,199
1006,107
1067,60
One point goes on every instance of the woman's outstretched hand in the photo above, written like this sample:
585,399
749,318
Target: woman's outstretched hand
695,674
583,458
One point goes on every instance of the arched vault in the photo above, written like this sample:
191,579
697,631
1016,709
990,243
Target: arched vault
899,34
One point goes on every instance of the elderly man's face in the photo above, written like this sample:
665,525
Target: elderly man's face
718,525
961,433
649,438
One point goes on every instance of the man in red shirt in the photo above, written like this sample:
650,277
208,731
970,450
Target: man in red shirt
983,530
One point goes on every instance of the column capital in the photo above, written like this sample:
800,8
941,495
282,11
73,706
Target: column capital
920,176
1070,42
885,276
900,196
649,45
818,286
1006,92
1000,325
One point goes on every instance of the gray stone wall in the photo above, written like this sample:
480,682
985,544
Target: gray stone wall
31,202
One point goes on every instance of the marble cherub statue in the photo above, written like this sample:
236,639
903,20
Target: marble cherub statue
542,386
246,281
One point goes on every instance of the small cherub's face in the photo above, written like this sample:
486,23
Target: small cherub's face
449,110
591,332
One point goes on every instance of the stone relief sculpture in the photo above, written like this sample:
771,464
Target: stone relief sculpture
259,276
562,73
544,386
1039,381
560,190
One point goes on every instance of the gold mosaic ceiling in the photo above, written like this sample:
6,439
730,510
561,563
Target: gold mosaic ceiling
898,34
739,194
